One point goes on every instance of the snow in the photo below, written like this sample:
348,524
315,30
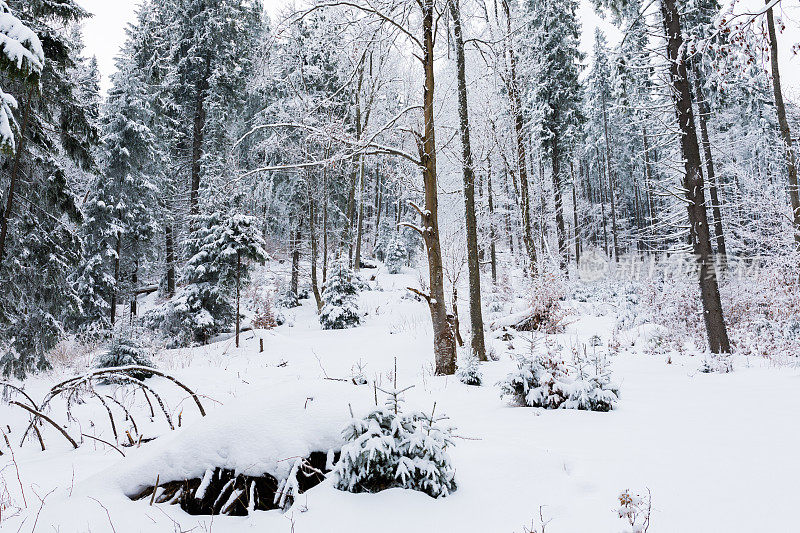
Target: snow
716,451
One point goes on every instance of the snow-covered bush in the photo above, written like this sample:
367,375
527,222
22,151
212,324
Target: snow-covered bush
263,314
396,256
340,309
546,381
469,371
390,448
285,298
125,350
635,510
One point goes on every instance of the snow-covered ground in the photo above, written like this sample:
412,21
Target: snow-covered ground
718,452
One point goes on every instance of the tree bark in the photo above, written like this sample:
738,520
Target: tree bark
492,236
559,204
114,290
314,252
519,138
444,345
198,132
360,228
575,214
238,283
703,112
610,179
170,259
477,344
780,107
295,280
693,179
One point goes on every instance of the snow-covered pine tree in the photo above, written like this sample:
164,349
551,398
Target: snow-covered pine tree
222,246
556,93
21,57
39,244
396,255
340,308
125,349
120,212
392,448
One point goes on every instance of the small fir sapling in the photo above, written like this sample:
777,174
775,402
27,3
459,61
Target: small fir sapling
396,256
391,448
125,350
469,371
546,381
340,309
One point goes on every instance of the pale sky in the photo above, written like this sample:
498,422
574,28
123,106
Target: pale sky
105,33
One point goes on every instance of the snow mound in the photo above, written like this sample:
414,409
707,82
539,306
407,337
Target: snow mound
261,433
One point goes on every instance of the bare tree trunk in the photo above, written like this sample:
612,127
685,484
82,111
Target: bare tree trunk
169,245
693,180
295,281
559,205
312,225
134,283
477,343
325,225
360,229
117,251
648,178
519,137
492,236
238,283
703,112
610,178
378,205
444,345
197,147
791,162
575,214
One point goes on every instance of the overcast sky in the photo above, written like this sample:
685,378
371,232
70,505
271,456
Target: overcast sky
105,33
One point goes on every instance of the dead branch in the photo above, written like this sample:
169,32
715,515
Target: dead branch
46,418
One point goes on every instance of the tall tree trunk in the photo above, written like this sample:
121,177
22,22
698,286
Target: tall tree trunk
378,205
238,283
169,245
703,112
648,178
361,202
558,200
134,283
444,345
610,179
295,280
519,138
117,251
312,228
492,236
601,192
791,161
575,214
198,132
693,180
15,170
477,344
325,224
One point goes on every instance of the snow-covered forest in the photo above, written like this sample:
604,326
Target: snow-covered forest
400,265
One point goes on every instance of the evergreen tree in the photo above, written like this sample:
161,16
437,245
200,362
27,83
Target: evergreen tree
340,309
39,244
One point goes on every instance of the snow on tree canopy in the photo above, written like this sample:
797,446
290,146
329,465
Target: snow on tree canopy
21,54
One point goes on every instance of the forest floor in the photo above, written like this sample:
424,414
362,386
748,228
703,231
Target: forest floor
717,452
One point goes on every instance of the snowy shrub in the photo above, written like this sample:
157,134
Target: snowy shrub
396,256
469,371
125,350
340,309
263,315
635,510
546,381
357,375
390,448
716,364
